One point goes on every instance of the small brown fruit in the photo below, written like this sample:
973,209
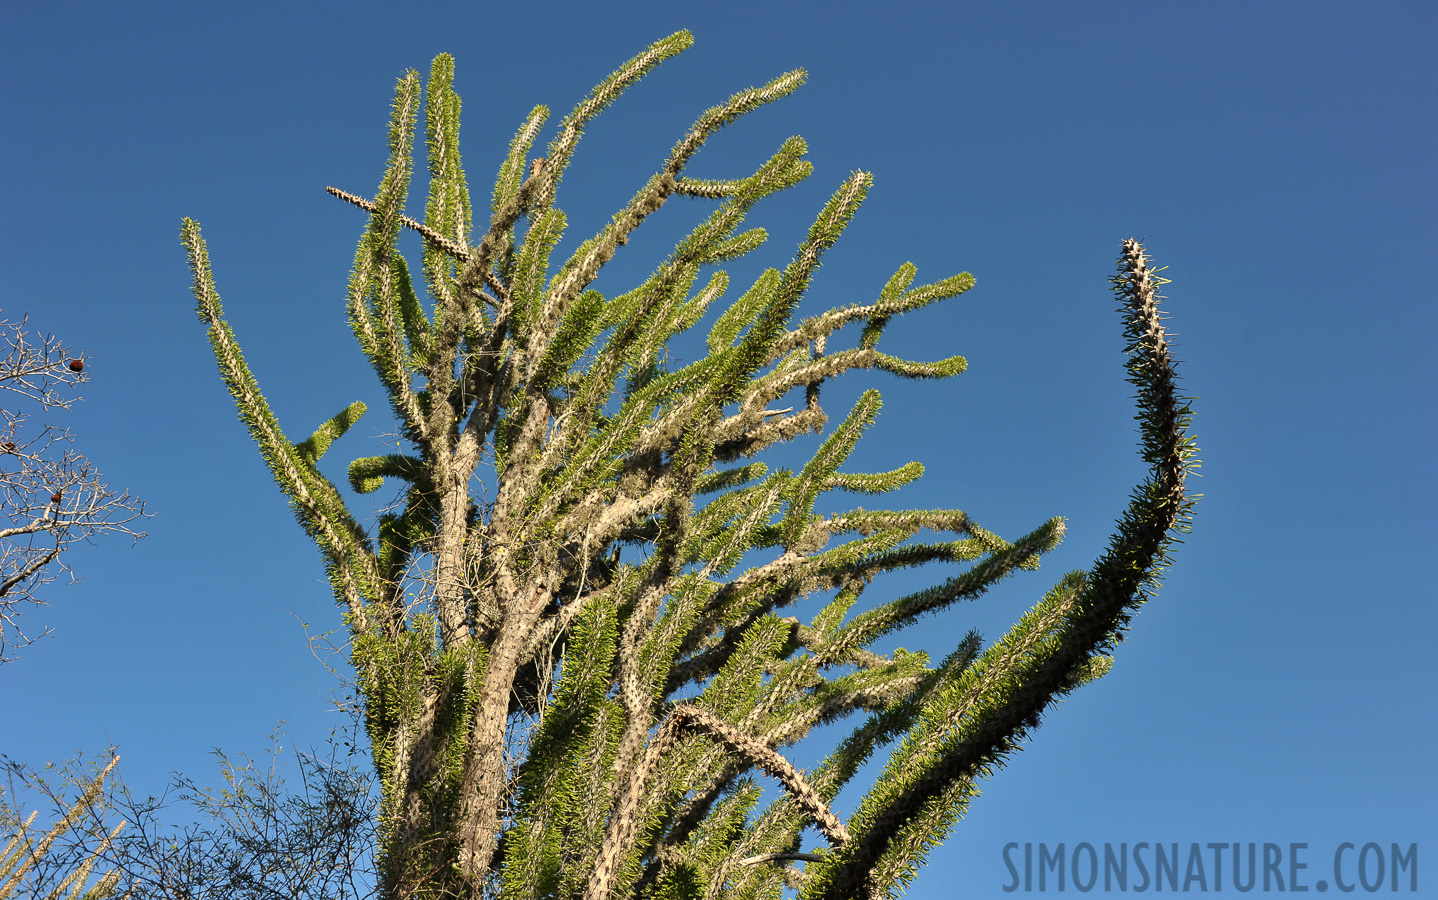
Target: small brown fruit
77,365
55,497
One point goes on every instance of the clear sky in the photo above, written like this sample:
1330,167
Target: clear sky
1278,157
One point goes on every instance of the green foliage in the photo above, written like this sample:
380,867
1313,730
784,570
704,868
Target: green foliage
574,664
315,447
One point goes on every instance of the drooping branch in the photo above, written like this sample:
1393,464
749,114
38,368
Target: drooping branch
764,757
689,718
1050,651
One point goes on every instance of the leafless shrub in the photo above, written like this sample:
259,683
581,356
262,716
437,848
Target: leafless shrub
255,837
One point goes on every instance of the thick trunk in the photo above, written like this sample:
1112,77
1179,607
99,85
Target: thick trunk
485,778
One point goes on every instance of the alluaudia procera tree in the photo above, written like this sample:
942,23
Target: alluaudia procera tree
576,671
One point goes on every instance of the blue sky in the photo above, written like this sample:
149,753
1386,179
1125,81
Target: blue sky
1277,157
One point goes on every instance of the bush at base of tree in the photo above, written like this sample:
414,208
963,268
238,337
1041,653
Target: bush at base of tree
258,836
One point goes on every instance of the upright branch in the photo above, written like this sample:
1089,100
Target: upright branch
51,496
572,628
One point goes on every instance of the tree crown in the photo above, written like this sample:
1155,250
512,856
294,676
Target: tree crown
571,682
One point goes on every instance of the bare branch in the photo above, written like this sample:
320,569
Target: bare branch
771,761
38,371
780,857
51,496
458,251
